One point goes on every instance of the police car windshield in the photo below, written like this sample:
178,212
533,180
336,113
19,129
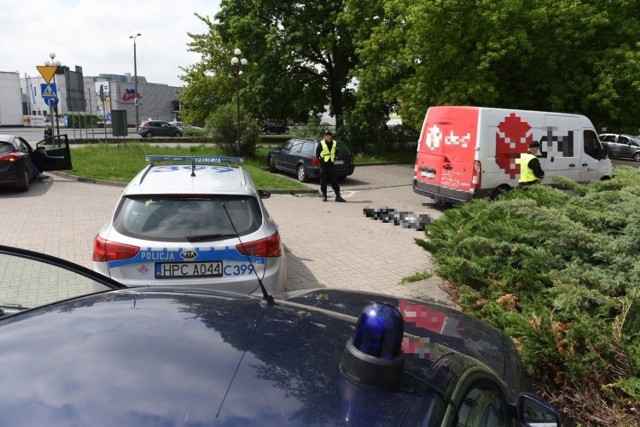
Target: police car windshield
176,218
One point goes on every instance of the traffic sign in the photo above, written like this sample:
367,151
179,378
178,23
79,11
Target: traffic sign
51,102
48,90
47,71
49,94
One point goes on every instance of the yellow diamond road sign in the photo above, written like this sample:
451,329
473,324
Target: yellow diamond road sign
47,71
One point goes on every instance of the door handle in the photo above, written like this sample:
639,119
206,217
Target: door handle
572,165
447,166
585,164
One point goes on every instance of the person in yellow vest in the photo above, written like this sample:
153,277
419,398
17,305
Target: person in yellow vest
530,170
326,153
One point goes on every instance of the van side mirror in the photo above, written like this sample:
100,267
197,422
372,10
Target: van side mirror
536,412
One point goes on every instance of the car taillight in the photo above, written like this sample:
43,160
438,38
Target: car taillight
476,180
269,247
315,161
104,250
11,157
353,160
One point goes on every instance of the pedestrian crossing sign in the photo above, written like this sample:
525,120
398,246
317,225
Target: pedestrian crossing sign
48,90
49,94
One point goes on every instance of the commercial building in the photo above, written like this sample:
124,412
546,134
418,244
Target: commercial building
10,99
95,96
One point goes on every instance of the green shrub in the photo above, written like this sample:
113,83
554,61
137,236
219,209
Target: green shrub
558,270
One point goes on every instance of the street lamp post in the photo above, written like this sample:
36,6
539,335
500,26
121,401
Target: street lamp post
135,77
52,109
237,62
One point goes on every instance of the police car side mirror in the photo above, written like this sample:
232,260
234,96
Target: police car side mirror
264,194
536,412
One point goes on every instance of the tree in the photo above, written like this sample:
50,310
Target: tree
303,52
560,55
209,83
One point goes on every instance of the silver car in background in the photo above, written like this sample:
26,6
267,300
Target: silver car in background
621,145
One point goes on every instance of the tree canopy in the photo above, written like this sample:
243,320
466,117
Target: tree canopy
366,59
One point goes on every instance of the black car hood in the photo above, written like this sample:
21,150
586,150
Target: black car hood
157,358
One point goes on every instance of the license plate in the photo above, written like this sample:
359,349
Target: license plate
339,162
180,270
428,175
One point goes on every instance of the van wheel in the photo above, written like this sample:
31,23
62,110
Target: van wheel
302,173
636,157
499,193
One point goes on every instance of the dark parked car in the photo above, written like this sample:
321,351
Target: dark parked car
298,156
17,158
151,128
622,146
270,127
93,352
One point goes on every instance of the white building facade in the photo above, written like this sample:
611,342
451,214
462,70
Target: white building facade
10,99
157,101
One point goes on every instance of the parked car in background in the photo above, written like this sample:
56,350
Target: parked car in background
201,225
621,145
270,127
17,159
151,128
298,156
184,126
95,353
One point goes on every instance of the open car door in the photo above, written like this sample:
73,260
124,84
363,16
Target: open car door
52,154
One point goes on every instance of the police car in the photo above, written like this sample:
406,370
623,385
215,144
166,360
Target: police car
166,356
199,224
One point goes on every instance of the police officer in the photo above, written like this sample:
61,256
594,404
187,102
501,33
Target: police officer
530,170
326,153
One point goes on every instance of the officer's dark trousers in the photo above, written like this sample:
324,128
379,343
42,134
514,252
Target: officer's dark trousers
328,173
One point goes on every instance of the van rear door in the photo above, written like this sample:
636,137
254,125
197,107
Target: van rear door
444,168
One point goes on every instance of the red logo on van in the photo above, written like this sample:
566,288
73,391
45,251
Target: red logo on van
512,139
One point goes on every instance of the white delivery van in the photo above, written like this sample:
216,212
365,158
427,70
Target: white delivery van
473,152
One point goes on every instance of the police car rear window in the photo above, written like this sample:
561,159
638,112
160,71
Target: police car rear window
179,218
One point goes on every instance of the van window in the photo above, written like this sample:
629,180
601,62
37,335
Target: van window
591,144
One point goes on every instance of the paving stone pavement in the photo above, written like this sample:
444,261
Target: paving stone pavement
327,244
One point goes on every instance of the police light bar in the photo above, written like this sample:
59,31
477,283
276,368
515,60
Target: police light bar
193,159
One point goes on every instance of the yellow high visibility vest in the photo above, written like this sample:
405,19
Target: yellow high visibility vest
326,154
526,173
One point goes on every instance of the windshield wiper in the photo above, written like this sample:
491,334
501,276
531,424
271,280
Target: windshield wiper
203,237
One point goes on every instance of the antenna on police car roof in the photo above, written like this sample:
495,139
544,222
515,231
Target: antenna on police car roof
265,295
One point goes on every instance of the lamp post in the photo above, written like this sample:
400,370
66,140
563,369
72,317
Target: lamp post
52,109
237,62
135,77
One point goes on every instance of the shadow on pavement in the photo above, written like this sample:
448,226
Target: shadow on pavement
37,188
298,275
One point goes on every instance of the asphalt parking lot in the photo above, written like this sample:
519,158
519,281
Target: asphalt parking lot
330,244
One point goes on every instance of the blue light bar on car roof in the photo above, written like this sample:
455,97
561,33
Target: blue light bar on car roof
193,159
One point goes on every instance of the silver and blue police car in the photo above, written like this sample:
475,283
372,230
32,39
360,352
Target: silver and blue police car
200,224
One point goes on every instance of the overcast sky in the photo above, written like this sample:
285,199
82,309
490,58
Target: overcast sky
94,34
